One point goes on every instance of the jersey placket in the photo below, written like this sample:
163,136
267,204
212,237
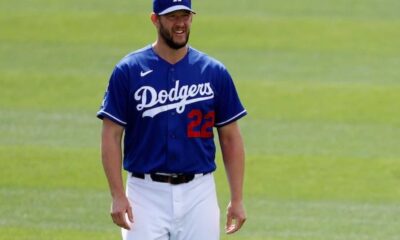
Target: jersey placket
172,135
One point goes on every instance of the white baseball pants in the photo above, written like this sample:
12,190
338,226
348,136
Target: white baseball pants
162,211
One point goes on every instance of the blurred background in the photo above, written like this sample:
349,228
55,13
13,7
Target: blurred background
320,80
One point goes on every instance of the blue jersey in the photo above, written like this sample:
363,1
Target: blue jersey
169,110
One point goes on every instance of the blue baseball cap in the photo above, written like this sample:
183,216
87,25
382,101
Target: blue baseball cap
161,7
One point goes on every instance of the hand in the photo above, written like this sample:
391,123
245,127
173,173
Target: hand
119,209
235,217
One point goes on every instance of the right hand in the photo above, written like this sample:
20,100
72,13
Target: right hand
121,207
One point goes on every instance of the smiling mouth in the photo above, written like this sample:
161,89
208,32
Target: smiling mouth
179,31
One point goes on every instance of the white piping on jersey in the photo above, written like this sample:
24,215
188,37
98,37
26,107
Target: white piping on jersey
230,119
111,116
175,98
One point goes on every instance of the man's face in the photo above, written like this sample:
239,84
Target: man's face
174,28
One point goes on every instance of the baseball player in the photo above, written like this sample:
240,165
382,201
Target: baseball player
165,99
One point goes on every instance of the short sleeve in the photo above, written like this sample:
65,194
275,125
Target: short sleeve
115,102
228,106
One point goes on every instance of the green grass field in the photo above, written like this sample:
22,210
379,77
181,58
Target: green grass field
320,80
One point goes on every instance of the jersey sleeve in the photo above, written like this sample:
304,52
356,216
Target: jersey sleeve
228,106
115,102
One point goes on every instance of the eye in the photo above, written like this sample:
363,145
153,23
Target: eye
178,16
186,16
170,16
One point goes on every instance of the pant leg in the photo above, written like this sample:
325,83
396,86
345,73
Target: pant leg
202,213
151,207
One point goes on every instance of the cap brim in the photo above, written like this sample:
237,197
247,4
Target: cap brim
176,8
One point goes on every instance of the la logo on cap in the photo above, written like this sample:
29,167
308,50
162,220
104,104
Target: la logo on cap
162,7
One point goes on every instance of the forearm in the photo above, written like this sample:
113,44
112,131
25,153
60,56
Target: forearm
234,161
233,157
111,152
112,160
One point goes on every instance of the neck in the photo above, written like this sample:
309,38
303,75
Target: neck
169,54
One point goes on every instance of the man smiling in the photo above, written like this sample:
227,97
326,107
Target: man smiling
166,98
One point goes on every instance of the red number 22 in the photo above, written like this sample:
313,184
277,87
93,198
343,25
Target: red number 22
200,126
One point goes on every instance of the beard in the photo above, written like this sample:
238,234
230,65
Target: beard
169,39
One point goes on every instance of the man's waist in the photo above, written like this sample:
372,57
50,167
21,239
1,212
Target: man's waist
172,178
138,166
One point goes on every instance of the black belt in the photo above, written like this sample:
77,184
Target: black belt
170,178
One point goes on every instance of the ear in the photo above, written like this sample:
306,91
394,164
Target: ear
154,19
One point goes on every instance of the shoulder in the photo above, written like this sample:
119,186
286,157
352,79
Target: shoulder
131,64
198,57
135,58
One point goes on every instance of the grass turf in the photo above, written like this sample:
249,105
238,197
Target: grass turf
320,80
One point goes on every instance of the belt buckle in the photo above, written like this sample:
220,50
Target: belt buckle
174,179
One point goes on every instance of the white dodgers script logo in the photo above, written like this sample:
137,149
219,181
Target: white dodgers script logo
153,102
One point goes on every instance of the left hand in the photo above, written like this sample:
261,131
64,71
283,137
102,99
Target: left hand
235,217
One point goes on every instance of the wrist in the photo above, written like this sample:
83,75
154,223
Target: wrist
235,201
118,194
